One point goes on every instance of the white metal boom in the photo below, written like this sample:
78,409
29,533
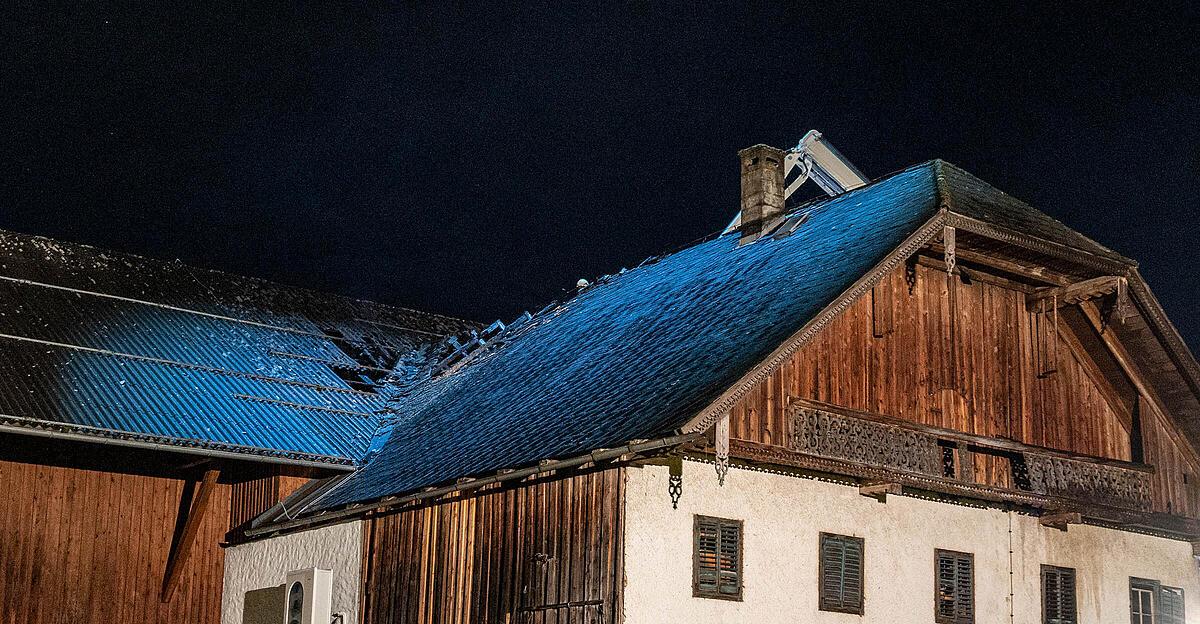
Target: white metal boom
818,160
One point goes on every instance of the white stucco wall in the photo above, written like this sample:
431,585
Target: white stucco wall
264,563
784,516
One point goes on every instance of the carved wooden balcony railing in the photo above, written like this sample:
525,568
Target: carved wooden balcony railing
936,456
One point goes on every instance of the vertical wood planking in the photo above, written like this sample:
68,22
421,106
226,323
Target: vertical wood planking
83,545
987,383
548,552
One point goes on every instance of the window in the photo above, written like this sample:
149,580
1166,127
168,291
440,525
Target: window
955,587
717,558
1141,601
840,577
1058,595
1152,603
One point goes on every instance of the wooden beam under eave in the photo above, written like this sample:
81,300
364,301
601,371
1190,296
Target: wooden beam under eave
880,489
1078,292
1061,520
182,549
1036,274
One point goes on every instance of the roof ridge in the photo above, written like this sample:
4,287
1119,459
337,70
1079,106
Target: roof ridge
945,169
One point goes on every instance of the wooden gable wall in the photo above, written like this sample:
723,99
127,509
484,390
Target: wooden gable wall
891,353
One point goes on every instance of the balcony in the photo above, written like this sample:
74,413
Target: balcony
883,450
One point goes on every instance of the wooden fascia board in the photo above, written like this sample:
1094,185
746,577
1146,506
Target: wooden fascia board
1157,319
1040,245
723,403
1139,381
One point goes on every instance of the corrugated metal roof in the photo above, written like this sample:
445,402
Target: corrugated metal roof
121,346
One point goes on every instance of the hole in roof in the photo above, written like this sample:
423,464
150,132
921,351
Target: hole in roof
372,359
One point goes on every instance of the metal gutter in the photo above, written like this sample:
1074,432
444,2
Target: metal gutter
550,466
106,437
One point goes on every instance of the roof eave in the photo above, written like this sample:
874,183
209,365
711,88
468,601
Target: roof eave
80,433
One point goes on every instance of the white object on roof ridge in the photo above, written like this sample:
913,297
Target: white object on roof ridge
818,160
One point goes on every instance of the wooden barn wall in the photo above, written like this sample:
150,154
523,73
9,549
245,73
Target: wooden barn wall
1177,475
544,553
262,488
890,353
91,546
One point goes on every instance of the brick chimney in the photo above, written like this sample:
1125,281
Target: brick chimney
762,188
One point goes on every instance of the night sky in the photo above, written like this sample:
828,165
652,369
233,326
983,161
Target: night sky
479,163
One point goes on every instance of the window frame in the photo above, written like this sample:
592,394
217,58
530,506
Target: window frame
937,555
1074,591
862,573
741,547
1156,590
1150,586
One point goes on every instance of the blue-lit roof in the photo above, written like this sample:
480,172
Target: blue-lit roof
639,353
116,346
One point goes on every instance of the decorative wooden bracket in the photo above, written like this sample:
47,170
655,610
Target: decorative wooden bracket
1079,292
675,480
721,433
1060,520
879,490
182,547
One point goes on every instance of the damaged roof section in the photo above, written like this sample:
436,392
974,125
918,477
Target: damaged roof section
120,347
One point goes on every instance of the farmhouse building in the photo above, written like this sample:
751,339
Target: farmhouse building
919,400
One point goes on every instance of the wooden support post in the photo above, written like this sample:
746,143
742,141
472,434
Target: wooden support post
880,489
966,464
1060,520
182,549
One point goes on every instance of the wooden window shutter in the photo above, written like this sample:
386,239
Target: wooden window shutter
717,558
840,578
955,587
1170,606
1058,595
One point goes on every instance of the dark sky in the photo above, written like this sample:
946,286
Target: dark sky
479,163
